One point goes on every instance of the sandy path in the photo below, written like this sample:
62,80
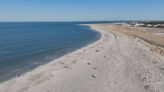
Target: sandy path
115,63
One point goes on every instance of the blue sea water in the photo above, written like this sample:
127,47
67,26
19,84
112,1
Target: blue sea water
24,46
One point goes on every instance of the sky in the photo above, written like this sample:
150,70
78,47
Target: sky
81,10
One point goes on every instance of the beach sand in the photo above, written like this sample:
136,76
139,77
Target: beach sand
114,63
153,36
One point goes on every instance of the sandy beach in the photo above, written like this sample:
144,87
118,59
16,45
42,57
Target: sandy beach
114,63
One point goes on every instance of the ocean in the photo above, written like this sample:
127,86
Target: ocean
26,45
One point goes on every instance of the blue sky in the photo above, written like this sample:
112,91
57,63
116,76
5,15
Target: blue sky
81,10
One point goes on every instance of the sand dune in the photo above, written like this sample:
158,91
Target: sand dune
153,36
115,63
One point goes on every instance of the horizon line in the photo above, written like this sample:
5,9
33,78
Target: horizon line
85,21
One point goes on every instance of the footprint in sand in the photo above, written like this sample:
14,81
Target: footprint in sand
67,67
95,68
97,50
93,76
74,61
88,63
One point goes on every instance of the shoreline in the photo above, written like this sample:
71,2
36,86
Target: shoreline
114,63
30,67
57,60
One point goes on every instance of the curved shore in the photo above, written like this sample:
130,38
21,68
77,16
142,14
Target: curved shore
114,63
